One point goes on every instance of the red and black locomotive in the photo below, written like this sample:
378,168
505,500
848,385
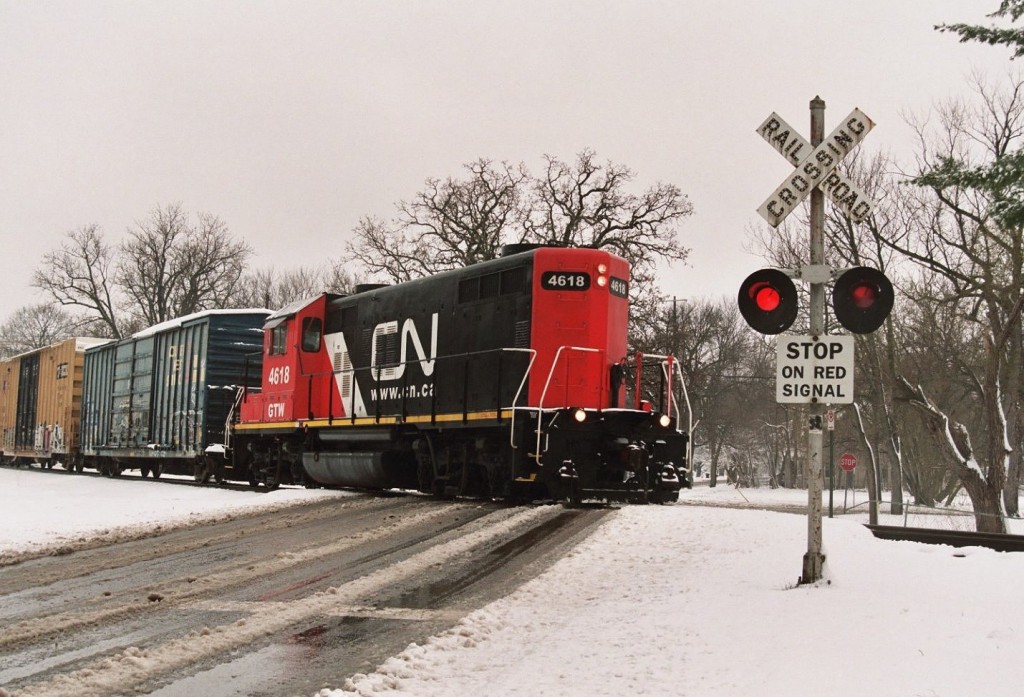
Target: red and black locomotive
509,378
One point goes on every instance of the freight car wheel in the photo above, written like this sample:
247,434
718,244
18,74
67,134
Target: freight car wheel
157,471
201,470
205,468
144,471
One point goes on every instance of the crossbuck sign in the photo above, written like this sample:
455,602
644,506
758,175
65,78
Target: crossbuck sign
815,167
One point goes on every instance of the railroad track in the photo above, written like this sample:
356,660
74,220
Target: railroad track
176,479
1000,542
955,538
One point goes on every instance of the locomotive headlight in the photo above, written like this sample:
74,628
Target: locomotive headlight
579,415
602,281
664,420
602,268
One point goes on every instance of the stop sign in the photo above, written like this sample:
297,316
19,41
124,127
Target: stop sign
848,462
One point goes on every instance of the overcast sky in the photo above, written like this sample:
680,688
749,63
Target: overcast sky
291,120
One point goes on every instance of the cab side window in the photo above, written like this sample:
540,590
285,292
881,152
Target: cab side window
278,340
312,329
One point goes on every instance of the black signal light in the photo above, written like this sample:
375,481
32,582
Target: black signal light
768,301
862,298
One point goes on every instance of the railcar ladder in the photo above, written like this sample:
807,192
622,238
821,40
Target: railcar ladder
232,417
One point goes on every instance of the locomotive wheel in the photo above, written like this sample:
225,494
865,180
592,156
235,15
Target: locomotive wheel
267,475
272,478
267,481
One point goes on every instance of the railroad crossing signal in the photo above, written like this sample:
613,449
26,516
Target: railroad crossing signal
830,378
861,299
836,185
816,168
768,301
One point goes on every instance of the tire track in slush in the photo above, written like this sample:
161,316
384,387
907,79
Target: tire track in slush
186,588
132,667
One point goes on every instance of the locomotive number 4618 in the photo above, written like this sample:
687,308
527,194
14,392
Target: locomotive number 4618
564,280
279,375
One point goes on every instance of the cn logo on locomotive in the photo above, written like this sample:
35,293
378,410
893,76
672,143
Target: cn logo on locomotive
408,334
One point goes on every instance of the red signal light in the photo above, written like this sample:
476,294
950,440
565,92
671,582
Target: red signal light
768,301
861,299
864,295
766,297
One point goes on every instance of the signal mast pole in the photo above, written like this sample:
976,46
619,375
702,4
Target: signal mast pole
814,559
861,298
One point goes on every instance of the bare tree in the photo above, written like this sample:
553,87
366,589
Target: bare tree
974,254
587,204
35,326
169,267
274,289
340,278
211,262
455,223
450,224
941,352
80,274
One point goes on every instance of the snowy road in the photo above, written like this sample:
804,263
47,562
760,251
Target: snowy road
275,603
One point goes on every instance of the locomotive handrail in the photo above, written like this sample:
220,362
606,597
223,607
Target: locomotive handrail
547,383
228,422
522,384
689,419
667,364
664,361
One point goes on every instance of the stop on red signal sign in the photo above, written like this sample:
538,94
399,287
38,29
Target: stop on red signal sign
848,462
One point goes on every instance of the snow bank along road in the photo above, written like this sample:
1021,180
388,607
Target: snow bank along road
274,603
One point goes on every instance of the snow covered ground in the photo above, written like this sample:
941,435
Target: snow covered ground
669,600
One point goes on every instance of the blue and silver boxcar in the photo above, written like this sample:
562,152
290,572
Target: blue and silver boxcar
158,400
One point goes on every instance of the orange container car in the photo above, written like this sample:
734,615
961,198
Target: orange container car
40,402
